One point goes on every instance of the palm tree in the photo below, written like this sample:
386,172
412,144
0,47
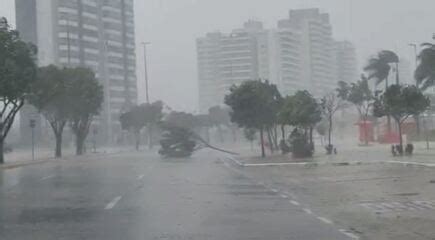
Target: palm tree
425,72
379,66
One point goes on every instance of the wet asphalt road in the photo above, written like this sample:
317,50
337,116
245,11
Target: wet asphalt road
140,196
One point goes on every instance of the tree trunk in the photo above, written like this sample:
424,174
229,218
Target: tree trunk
2,159
80,143
275,133
283,132
270,139
263,153
58,151
330,131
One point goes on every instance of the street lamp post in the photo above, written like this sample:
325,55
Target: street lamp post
146,70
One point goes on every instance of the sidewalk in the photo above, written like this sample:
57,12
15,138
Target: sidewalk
349,155
23,157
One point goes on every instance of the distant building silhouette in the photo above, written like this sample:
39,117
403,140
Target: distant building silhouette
299,54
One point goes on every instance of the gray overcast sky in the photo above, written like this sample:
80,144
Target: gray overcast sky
173,25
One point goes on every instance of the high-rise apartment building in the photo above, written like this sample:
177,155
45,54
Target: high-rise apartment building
227,59
315,32
300,54
346,61
98,34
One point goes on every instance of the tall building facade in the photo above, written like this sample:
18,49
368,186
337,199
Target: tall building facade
98,34
299,54
346,61
227,59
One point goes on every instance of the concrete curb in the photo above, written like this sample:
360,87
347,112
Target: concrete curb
307,164
313,164
26,163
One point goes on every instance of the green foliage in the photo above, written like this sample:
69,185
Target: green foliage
300,145
379,67
181,120
139,116
86,100
301,110
17,73
50,95
358,94
400,102
425,72
177,142
254,104
250,134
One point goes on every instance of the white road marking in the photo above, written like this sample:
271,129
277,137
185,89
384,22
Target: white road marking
284,196
47,177
349,234
294,203
277,164
274,190
325,220
113,203
308,211
140,177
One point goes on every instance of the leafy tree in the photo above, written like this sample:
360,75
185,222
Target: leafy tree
254,105
86,99
50,95
303,111
181,119
425,72
140,116
330,104
17,73
360,96
401,102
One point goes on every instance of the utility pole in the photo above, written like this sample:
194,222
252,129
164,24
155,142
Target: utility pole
146,71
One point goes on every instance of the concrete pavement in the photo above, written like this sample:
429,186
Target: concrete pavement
141,196
374,201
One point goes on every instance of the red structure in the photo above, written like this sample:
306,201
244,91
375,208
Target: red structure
366,131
